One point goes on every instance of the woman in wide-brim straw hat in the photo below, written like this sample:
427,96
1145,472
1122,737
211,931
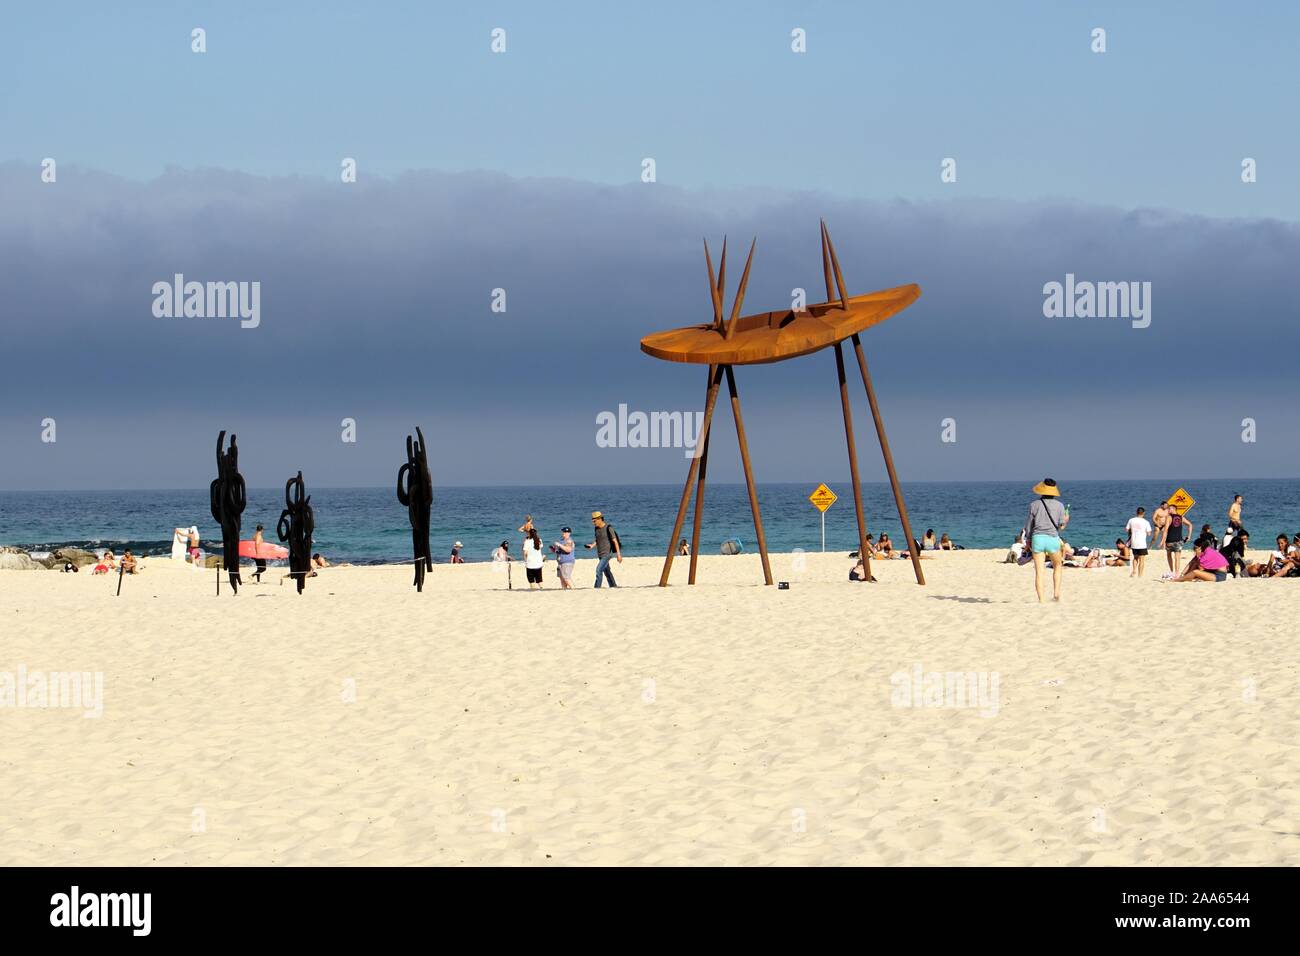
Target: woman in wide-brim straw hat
1047,519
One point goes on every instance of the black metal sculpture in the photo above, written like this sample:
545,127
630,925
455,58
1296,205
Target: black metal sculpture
297,522
228,497
417,494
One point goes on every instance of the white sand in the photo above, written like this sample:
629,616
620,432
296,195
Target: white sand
1137,722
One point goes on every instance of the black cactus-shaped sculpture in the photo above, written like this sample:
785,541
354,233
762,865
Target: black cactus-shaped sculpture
416,492
228,497
297,523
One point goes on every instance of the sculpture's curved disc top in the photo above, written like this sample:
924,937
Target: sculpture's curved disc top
773,336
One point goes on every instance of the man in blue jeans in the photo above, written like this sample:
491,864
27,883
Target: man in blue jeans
606,545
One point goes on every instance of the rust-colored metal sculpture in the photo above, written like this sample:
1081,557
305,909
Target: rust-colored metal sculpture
774,337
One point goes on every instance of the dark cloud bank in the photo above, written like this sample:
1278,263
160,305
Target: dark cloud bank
375,304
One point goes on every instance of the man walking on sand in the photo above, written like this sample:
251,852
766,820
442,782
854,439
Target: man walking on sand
607,546
1139,531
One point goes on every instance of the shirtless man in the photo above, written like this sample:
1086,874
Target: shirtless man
1159,521
1234,515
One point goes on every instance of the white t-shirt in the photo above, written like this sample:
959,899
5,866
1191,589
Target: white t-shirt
532,555
1138,530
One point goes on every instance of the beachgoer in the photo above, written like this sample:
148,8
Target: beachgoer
1047,519
258,541
1123,556
1208,565
928,543
885,548
527,526
1235,552
502,553
1016,550
195,553
533,558
1234,514
683,549
1207,533
565,557
1171,535
1282,561
945,543
858,573
1139,533
106,563
455,553
129,564
318,560
1159,522
607,546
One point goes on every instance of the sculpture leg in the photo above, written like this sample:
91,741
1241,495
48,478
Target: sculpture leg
749,475
714,384
863,551
702,445
912,543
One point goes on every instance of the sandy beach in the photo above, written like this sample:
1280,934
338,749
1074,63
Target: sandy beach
729,723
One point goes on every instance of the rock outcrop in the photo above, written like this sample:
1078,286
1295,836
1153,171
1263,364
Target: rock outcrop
16,559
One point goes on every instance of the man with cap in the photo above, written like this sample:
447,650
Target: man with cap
607,546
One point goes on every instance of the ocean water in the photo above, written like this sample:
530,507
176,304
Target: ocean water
369,525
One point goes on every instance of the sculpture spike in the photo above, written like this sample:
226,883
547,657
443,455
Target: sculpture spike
839,276
826,264
722,279
714,292
740,293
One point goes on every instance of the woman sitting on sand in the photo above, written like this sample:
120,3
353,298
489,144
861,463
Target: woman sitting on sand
1208,565
129,565
946,543
859,573
683,549
928,543
885,547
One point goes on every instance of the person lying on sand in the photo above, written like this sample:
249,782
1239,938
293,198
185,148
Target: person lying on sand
319,560
106,563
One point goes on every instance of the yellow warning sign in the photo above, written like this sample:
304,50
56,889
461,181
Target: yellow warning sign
1181,501
822,498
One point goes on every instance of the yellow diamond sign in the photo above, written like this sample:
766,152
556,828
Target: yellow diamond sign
1181,501
822,498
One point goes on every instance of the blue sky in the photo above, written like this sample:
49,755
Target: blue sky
711,91
522,171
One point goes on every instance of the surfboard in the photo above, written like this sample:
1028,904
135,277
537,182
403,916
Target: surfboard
267,552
